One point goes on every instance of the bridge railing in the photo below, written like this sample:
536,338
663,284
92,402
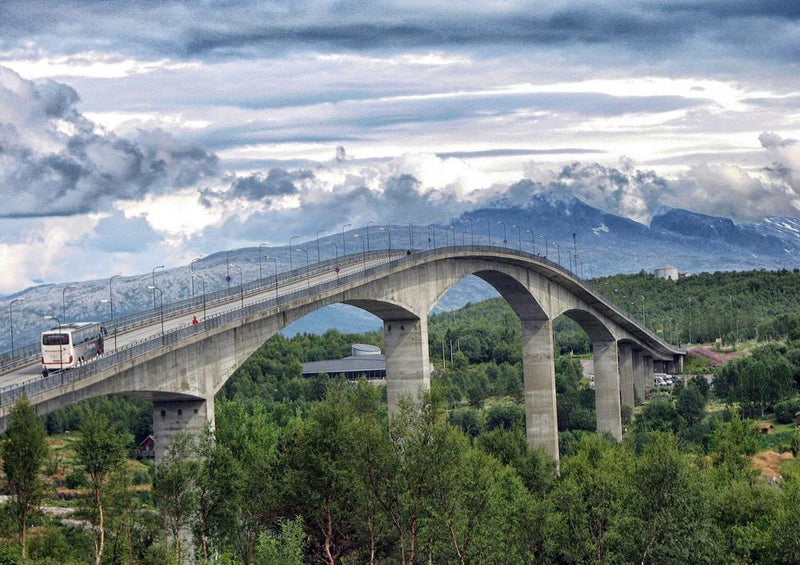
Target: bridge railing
28,353
10,394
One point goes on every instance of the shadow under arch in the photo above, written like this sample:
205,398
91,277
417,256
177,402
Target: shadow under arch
591,324
518,297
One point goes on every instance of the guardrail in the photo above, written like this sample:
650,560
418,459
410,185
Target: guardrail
29,353
10,394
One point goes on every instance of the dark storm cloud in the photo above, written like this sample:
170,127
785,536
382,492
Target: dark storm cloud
400,197
233,29
53,162
258,187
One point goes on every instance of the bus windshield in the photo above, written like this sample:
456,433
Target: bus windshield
55,339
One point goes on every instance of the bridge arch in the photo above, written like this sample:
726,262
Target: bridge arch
196,361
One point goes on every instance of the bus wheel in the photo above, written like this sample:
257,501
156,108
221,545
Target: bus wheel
45,372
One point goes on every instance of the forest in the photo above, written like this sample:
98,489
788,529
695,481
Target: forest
302,470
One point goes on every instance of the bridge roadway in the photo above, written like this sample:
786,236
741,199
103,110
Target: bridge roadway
182,369
151,328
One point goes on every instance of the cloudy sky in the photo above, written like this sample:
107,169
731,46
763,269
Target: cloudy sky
135,134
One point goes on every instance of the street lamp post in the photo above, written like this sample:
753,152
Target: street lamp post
11,319
644,319
268,258
203,281
336,249
191,268
363,253
519,235
111,304
388,231
291,266
411,235
153,273
60,346
546,247
366,228
344,244
64,301
308,270
488,228
432,233
505,240
575,249
471,231
241,284
558,252
154,288
318,256
260,256
533,240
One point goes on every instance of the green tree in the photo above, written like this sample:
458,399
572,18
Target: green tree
24,449
101,451
286,548
174,489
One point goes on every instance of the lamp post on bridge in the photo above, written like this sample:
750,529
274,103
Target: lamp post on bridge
191,268
260,256
358,237
366,228
558,252
268,258
488,228
644,320
154,288
153,274
11,319
388,231
411,234
471,231
336,249
505,240
519,235
241,283
344,243
546,247
64,301
111,304
319,232
533,240
291,266
203,281
308,270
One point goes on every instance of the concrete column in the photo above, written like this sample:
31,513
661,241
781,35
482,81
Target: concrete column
637,368
408,368
538,372
189,415
647,373
626,374
679,363
606,387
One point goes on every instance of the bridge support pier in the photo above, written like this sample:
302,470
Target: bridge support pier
190,415
538,372
606,386
407,363
647,371
637,372
626,375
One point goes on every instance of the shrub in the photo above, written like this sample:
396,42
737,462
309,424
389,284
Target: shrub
786,409
76,479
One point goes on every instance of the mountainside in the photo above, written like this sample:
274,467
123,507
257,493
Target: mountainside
605,244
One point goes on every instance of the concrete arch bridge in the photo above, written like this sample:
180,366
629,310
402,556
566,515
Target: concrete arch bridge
182,369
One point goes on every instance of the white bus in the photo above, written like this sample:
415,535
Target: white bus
71,345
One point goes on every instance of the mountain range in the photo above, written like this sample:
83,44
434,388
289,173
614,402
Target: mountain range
604,243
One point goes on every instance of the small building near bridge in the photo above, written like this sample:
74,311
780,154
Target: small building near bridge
364,360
